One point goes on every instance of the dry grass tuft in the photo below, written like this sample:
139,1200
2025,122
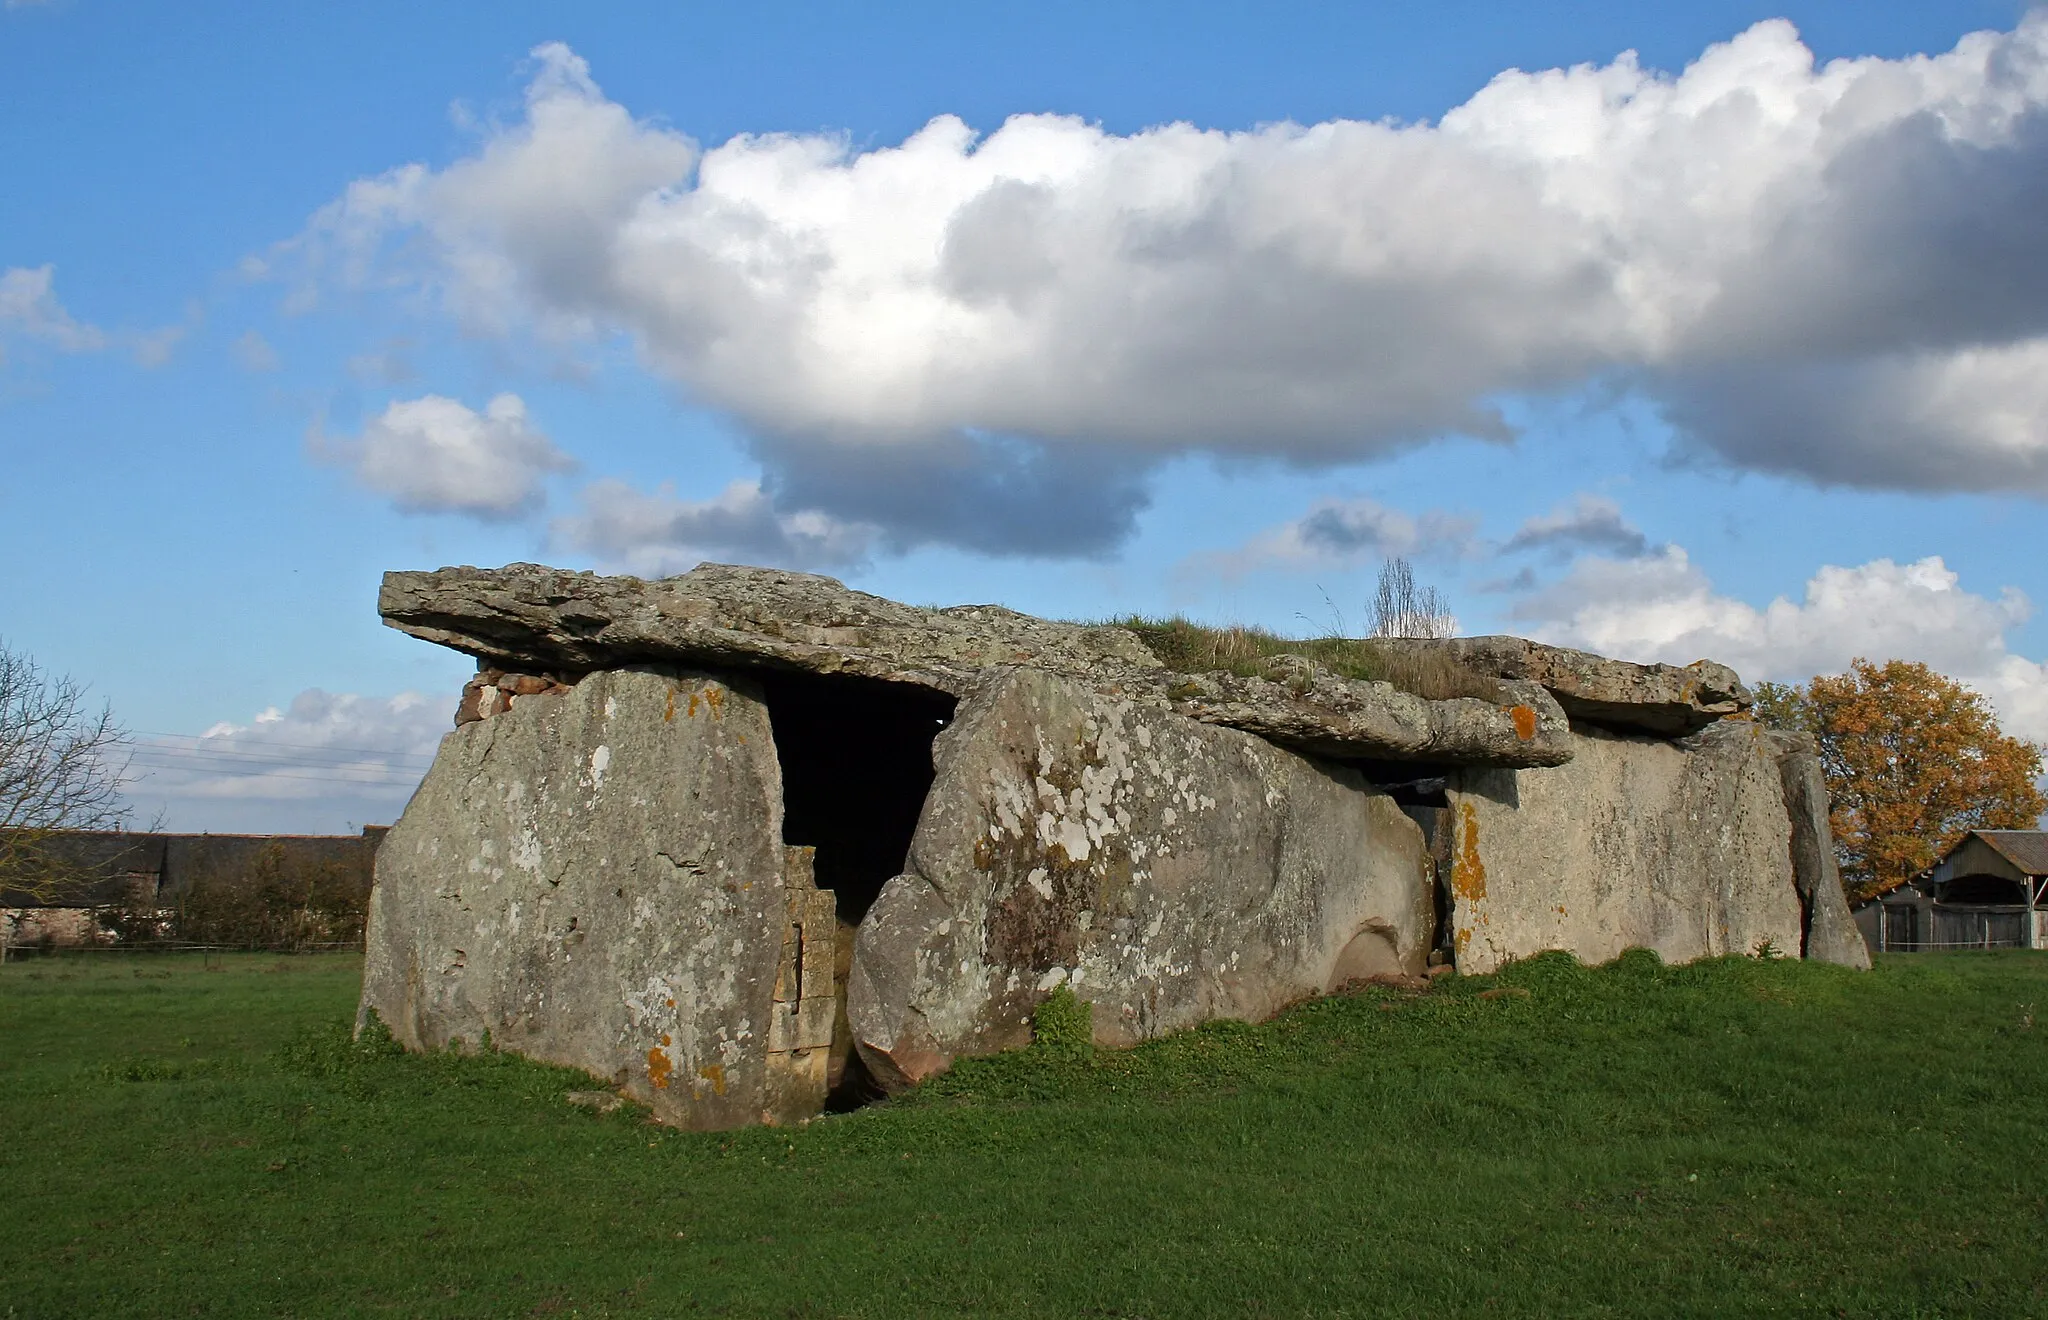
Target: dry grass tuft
1192,648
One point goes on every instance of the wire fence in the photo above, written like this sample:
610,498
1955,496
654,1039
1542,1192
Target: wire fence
27,950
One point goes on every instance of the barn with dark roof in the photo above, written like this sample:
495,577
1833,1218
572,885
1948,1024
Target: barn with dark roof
1989,891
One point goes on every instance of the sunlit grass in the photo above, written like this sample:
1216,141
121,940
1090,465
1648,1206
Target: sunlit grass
1729,1138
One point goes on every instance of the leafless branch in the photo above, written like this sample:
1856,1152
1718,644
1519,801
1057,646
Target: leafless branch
1401,609
62,766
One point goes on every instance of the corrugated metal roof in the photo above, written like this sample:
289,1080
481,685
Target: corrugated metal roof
2026,849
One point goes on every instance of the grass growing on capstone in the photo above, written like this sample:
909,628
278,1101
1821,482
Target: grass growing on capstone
1730,1138
1194,648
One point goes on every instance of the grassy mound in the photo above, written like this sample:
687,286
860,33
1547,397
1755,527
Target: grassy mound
1729,1138
1193,648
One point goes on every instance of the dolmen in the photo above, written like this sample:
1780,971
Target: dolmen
746,844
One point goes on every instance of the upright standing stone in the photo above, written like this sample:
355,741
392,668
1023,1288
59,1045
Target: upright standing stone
1170,872
1831,934
595,878
1678,847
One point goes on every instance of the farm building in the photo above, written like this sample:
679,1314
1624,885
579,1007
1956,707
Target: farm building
1990,891
154,876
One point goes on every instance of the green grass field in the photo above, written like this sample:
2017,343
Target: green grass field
1731,1138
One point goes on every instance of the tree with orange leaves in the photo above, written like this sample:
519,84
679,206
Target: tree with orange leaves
1913,761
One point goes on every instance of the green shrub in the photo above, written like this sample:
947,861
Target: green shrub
1063,1025
276,901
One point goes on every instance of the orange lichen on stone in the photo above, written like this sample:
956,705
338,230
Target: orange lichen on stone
1468,873
1525,721
659,1067
714,1073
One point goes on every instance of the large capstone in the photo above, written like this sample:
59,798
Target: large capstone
1168,871
1669,700
595,878
544,622
1682,847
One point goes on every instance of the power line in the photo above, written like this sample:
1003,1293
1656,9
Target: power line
207,755
368,778
305,747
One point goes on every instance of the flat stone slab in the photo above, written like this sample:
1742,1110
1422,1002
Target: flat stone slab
542,621
535,619
1668,700
1315,711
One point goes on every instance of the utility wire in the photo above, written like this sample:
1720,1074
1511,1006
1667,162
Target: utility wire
265,742
208,756
394,778
150,772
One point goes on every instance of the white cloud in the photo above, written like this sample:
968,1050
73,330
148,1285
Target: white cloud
1079,304
1589,522
254,353
388,365
1662,607
1338,533
29,307
437,455
153,348
326,759
659,535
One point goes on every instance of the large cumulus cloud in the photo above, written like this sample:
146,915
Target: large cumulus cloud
952,337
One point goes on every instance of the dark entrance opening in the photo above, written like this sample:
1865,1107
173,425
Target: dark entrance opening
856,758
1409,783
1421,790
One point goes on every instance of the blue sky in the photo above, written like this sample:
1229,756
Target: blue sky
1720,349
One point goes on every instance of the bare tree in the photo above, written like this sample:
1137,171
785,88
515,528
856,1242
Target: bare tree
62,765
1401,609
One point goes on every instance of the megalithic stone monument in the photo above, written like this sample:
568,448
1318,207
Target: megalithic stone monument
746,843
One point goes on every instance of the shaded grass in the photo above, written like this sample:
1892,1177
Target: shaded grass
1732,1137
1193,648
